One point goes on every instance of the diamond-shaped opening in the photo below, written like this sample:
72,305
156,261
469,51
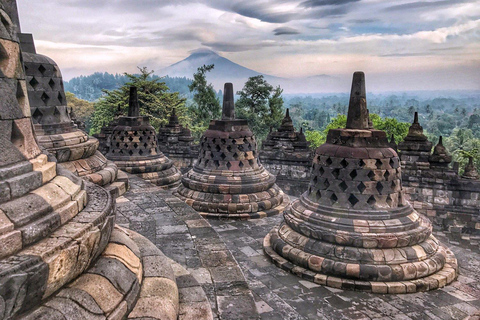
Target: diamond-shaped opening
45,98
371,175
251,162
223,141
394,185
37,115
321,171
229,165
56,111
361,187
379,187
140,139
135,133
140,152
344,163
353,174
315,179
379,164
245,141
60,98
249,146
200,161
118,144
5,22
135,145
223,156
361,163
326,183
333,198
336,173
343,186
42,69
17,138
234,141
329,162
389,200
130,152
207,162
241,164
145,145
216,163
392,163
318,195
353,200
386,175
34,83
229,148
235,156
130,138
371,201
217,147
51,83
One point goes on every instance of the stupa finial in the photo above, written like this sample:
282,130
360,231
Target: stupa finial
415,119
133,107
228,111
357,110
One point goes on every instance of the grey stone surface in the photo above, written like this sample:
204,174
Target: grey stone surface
184,236
276,293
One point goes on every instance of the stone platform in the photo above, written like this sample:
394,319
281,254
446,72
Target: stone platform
206,248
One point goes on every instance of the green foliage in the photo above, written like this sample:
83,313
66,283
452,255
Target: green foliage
154,98
389,125
82,108
206,104
261,104
463,144
92,87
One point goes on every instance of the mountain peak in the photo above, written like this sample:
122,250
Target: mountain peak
202,52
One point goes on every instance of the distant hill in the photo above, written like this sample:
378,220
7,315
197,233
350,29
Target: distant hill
90,87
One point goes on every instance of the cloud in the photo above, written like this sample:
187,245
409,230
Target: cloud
280,37
285,31
321,3
425,4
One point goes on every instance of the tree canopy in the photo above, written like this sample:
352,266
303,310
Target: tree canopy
206,104
261,104
154,99
82,108
391,126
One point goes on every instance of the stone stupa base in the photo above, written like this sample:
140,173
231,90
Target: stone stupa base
132,279
344,276
233,210
160,171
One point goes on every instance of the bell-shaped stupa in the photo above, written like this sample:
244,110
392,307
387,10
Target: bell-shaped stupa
56,131
352,229
133,146
228,180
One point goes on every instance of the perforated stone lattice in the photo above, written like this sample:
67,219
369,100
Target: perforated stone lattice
228,154
356,183
134,143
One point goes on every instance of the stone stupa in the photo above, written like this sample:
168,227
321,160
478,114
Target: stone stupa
133,147
352,229
55,130
61,255
286,154
228,180
176,142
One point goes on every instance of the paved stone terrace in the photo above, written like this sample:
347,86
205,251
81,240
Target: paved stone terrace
222,257
188,239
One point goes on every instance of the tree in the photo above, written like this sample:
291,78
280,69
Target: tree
82,108
206,104
154,99
462,144
389,125
261,104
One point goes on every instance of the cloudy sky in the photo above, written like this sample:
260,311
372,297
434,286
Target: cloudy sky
401,44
